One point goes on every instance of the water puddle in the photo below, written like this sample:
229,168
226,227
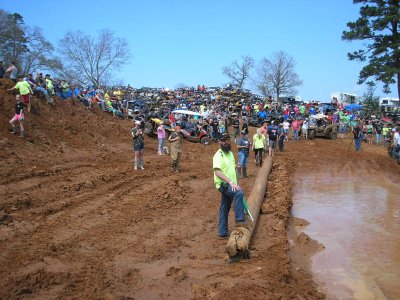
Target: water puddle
357,219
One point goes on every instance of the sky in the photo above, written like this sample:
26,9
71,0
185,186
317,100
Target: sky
175,42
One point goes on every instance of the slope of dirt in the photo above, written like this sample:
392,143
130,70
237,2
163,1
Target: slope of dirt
77,222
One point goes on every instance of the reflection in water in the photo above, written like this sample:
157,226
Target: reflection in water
358,221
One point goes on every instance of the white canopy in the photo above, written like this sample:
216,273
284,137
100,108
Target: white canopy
187,112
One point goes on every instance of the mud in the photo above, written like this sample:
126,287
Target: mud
78,222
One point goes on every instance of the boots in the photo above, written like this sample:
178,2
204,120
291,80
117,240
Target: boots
135,167
141,164
22,134
13,130
244,169
174,166
240,173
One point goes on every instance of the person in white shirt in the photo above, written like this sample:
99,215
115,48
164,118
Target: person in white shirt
286,126
304,129
396,143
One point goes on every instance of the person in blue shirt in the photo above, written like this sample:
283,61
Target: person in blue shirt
272,138
261,115
243,145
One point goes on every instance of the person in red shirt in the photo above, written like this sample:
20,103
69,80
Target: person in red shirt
296,128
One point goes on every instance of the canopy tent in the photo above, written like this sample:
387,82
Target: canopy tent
351,107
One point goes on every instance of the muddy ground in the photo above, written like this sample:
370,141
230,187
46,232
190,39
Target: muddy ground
76,221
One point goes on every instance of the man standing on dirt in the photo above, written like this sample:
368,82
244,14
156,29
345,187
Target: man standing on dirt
235,125
243,145
225,181
176,149
138,145
272,137
357,137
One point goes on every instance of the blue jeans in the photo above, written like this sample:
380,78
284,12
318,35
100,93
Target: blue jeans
242,159
358,144
295,134
395,151
161,144
378,138
227,196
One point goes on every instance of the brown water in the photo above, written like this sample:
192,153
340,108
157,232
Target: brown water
358,222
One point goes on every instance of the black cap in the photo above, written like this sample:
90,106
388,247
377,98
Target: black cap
224,136
243,132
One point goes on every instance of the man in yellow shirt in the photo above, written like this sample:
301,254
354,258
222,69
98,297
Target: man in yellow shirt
225,180
25,90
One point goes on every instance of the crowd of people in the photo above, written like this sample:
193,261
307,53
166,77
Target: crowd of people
224,114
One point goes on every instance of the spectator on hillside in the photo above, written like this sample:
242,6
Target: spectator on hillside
40,81
49,85
19,116
25,90
37,88
2,71
138,145
12,72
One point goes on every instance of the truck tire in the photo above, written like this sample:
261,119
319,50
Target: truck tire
205,140
333,135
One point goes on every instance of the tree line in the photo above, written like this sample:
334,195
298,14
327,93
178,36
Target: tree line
378,27
79,58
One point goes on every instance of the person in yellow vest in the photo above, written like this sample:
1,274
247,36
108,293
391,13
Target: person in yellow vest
259,143
225,180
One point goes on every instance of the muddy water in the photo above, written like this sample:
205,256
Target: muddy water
358,222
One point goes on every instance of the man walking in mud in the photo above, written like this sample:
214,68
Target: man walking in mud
224,167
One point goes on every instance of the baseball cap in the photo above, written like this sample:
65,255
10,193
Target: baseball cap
224,137
243,132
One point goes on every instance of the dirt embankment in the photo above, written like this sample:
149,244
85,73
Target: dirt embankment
77,222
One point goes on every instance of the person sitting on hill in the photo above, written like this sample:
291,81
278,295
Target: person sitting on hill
36,87
49,85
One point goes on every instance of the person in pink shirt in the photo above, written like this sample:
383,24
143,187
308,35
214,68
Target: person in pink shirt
296,128
161,138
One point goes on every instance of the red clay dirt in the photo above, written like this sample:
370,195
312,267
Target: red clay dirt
76,221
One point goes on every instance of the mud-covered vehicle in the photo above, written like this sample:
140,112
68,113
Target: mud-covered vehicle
152,125
319,127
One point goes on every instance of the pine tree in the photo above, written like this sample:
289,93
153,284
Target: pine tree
379,26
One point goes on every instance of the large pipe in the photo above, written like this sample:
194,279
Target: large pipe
239,240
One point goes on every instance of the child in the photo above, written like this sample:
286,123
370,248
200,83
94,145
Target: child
19,116
281,137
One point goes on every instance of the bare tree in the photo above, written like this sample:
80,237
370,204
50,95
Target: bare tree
93,59
40,55
277,74
239,71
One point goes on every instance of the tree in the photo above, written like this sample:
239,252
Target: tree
277,74
371,102
13,41
91,59
379,25
40,55
24,45
238,72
